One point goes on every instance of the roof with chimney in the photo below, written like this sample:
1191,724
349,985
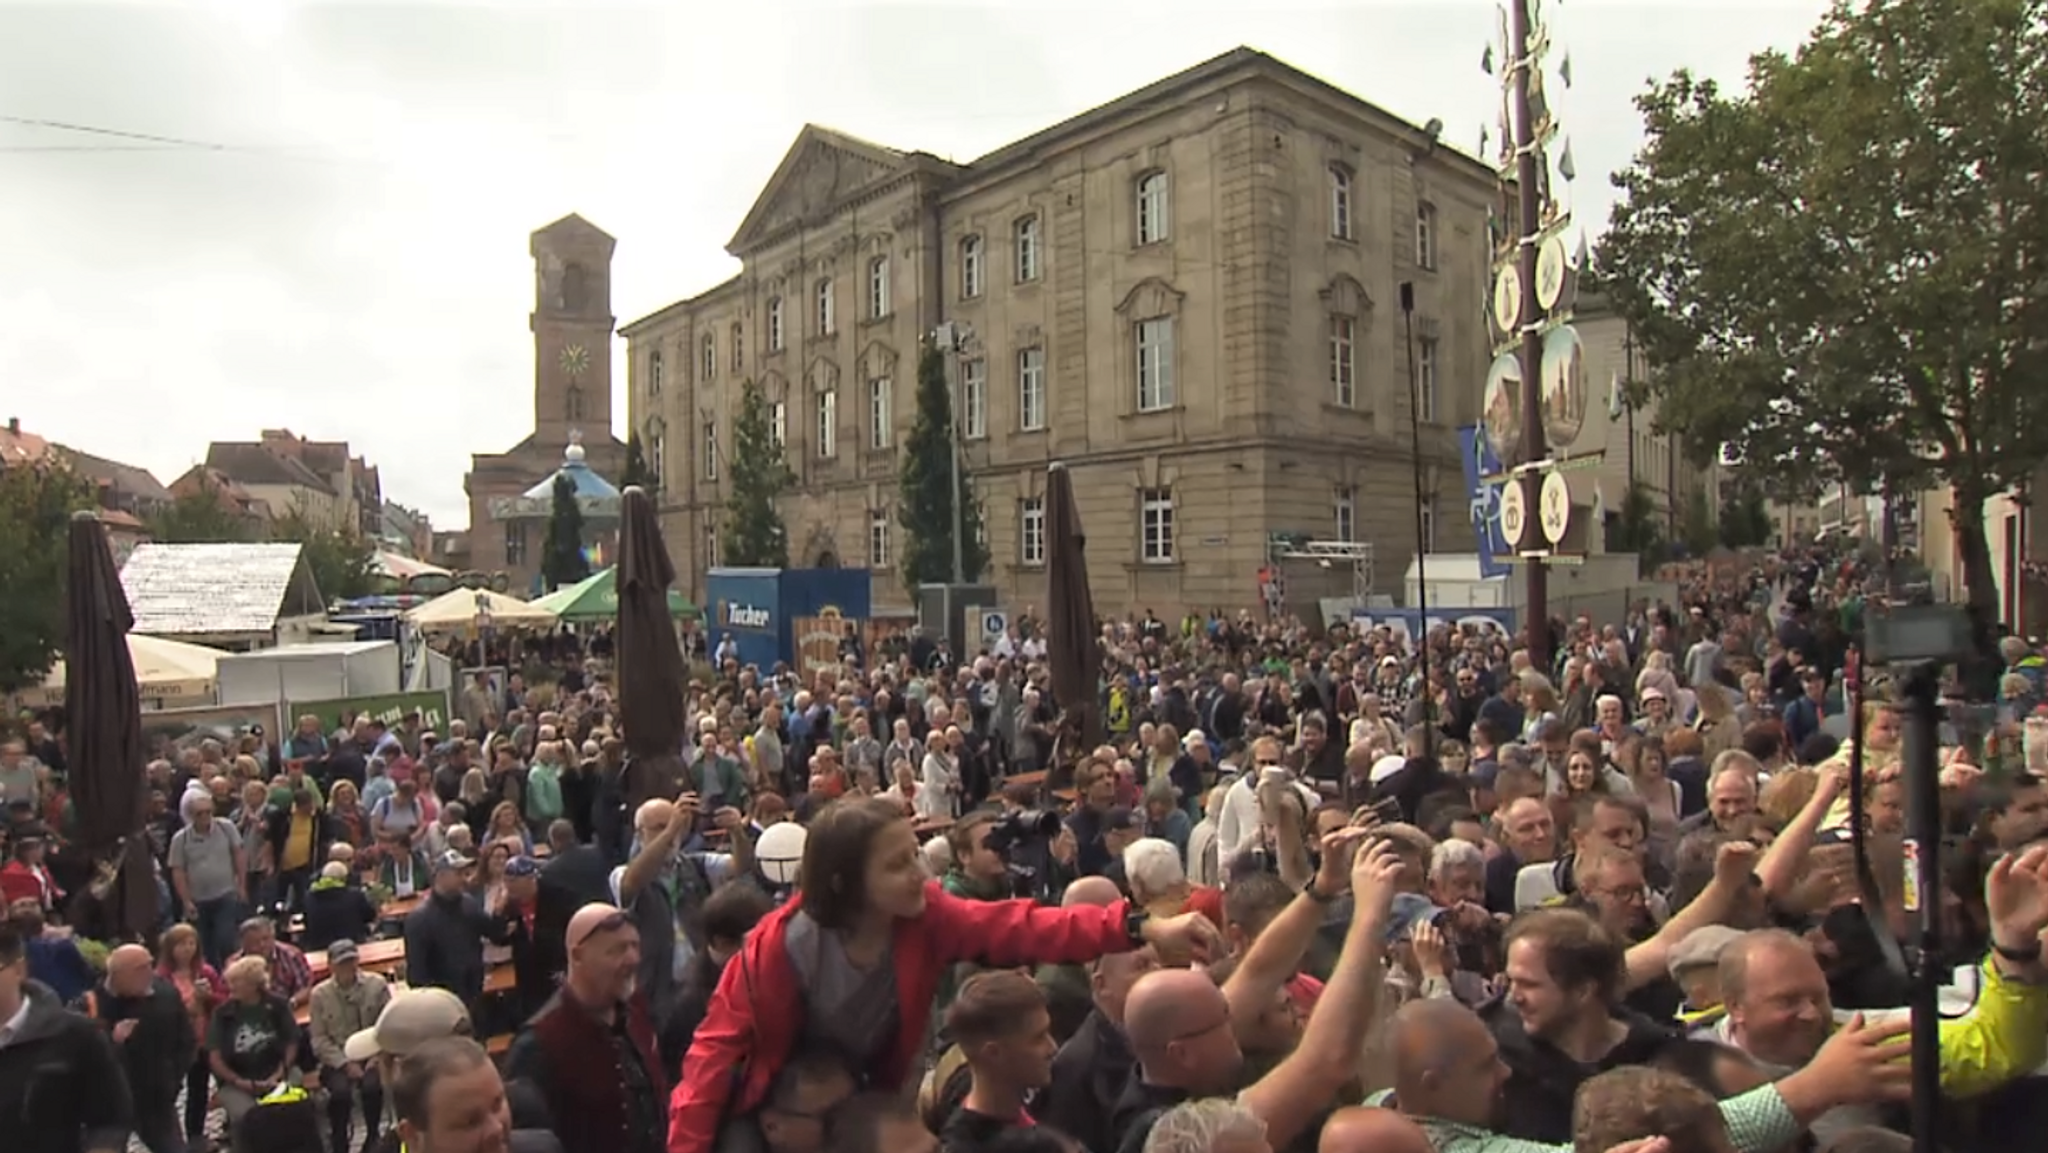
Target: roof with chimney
255,463
18,447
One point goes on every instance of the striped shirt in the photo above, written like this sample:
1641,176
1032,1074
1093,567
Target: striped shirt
1758,1121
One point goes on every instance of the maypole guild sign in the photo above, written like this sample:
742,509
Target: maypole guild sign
1555,511
1514,512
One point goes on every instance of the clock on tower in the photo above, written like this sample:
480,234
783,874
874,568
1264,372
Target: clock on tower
575,361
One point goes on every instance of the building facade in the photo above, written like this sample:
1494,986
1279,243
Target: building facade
1621,425
1190,296
572,327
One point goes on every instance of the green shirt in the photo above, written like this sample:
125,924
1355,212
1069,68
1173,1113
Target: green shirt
1758,1122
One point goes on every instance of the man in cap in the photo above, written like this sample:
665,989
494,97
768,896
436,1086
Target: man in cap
534,968
1695,966
444,937
348,1002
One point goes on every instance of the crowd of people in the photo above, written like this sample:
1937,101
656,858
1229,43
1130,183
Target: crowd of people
1317,889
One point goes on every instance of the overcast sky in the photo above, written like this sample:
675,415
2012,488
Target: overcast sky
350,261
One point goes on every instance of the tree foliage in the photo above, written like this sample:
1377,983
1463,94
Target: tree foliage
1745,518
1838,272
637,470
562,560
199,516
1698,529
925,500
344,564
759,474
36,503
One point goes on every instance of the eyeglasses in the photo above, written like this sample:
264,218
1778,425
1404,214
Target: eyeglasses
612,923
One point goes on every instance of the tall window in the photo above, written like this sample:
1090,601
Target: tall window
710,450
1425,234
828,424
1345,508
710,544
1340,203
825,318
878,288
974,398
654,373
1155,364
775,324
710,357
1425,378
778,423
739,351
970,267
878,538
1155,525
572,405
1153,224
1027,249
657,452
879,414
515,543
1428,519
1031,389
1031,530
1344,361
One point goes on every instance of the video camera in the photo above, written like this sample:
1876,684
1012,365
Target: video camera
1027,833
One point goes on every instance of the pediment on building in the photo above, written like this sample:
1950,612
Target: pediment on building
821,171
877,359
1150,297
1345,296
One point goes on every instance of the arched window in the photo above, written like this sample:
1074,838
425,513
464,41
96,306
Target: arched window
654,373
775,324
710,358
572,404
575,289
739,354
970,267
1340,202
1153,208
826,319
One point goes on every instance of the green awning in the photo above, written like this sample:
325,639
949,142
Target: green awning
596,597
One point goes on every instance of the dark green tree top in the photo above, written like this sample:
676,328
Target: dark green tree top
925,500
758,474
36,503
343,561
637,471
562,560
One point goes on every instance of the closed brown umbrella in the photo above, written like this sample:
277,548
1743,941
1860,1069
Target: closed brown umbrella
650,669
103,714
1070,632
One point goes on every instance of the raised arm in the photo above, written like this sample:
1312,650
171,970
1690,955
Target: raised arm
1733,870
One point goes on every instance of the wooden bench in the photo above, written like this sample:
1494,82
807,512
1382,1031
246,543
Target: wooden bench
1066,796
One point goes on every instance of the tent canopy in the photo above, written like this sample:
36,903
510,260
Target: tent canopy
163,669
459,609
596,597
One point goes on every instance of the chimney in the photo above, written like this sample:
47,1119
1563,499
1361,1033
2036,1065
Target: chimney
14,425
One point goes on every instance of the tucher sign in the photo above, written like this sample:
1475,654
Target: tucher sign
742,616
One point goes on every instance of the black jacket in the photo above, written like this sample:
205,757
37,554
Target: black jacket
1088,1077
61,1087
161,1046
1536,1101
444,945
336,911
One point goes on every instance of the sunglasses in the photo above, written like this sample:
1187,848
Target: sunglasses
611,924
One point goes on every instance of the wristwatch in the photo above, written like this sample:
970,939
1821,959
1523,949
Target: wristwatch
2026,956
1315,893
1134,924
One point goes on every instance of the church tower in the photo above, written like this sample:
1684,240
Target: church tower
572,326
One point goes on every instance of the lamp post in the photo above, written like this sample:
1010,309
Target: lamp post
1422,513
950,337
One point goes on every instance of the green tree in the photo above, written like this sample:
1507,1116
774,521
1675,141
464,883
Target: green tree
199,516
925,502
1700,536
755,536
1745,518
1839,271
637,471
562,561
36,503
344,563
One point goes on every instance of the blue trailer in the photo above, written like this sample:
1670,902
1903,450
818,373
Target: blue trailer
792,615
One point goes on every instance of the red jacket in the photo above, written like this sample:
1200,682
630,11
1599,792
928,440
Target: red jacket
18,882
752,1022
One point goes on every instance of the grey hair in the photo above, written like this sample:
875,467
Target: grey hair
1199,1126
1455,854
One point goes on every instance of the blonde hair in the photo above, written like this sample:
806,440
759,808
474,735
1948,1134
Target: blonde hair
246,968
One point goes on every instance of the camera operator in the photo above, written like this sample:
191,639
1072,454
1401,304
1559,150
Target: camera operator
980,872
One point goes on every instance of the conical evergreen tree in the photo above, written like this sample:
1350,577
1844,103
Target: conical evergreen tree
758,474
925,501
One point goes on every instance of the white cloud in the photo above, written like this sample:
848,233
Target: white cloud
352,263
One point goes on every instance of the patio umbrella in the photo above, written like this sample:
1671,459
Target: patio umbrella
1070,615
650,670
103,715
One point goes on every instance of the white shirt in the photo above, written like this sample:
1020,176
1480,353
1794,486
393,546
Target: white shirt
1237,830
12,1029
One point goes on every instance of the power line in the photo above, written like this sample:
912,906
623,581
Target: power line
94,130
90,148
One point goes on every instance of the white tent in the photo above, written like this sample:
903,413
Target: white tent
459,609
168,672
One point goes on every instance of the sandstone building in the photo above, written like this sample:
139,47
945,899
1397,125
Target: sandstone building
572,326
1189,295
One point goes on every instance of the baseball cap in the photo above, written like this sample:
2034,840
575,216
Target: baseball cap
522,867
409,1020
341,952
1119,818
1409,910
1700,948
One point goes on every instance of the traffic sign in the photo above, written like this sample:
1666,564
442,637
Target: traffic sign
994,625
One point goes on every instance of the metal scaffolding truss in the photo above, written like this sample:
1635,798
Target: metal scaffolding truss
1330,553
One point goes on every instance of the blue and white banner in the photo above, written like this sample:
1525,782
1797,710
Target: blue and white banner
1480,462
1408,623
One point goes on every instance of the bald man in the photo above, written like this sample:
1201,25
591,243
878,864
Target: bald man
1178,1027
1447,1066
153,1040
1364,1129
663,886
1091,891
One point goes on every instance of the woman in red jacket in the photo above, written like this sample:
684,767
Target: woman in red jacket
851,965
